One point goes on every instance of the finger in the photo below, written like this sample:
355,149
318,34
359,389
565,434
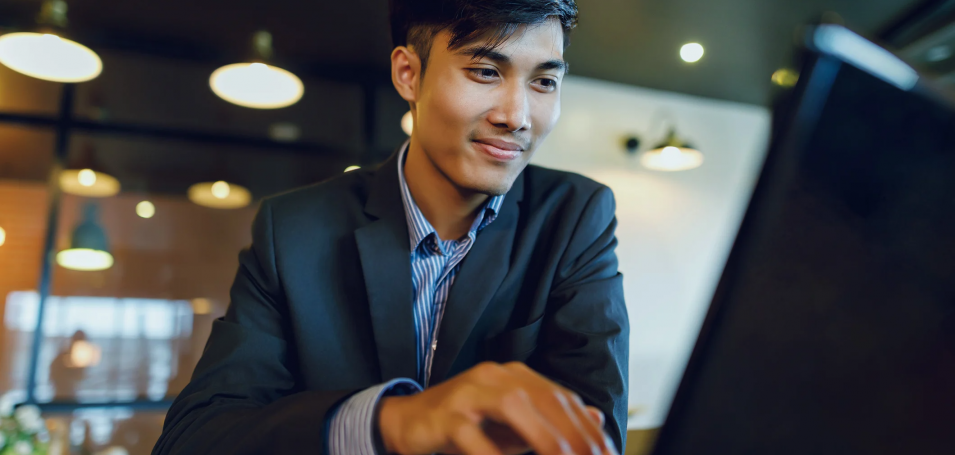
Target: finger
468,438
515,409
563,409
597,415
593,420
590,417
504,437
584,423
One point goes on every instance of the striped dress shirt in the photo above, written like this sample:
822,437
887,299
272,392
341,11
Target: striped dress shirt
434,264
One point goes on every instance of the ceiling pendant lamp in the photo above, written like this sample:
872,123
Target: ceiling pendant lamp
672,155
45,53
85,177
145,209
220,195
256,84
84,354
89,248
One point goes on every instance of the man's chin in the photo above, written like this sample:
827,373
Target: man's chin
482,179
492,189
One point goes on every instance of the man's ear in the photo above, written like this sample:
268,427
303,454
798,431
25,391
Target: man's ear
406,72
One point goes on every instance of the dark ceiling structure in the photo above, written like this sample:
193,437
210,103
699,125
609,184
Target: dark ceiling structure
152,118
629,41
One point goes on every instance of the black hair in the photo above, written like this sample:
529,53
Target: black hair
416,22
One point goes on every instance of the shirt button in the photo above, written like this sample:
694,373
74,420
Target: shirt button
434,345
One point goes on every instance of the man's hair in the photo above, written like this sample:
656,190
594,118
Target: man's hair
415,23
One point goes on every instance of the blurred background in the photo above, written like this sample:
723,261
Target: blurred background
131,170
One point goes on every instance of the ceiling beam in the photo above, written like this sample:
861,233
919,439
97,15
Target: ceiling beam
154,132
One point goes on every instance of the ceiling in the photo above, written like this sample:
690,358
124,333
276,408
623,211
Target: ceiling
628,41
159,55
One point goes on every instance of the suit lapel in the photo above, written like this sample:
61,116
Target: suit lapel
386,264
478,279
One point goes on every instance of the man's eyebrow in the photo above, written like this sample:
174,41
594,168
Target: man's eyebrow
478,51
554,65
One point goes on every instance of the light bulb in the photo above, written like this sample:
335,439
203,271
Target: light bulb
256,85
691,52
219,195
84,354
352,168
220,190
86,177
49,57
88,183
672,159
84,259
3,236
145,209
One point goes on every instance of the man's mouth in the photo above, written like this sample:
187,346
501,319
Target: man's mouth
499,149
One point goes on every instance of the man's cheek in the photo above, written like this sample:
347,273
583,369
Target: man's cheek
549,114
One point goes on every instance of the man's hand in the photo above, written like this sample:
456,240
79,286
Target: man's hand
496,410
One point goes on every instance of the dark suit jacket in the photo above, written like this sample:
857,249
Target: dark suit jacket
322,308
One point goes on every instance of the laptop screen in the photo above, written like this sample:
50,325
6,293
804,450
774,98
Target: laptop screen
832,330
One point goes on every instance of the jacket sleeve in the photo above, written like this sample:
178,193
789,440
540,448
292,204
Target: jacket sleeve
243,397
585,335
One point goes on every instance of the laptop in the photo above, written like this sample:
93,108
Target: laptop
832,329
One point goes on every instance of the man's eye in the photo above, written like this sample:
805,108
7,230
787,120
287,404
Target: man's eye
484,73
548,84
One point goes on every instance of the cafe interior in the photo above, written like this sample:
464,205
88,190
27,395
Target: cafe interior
131,168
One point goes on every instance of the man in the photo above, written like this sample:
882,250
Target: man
453,299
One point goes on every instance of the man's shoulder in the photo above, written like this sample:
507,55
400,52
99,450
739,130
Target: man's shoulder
544,176
340,196
553,188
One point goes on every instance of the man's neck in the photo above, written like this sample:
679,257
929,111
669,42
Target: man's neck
449,209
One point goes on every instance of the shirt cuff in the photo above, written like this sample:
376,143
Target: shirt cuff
353,426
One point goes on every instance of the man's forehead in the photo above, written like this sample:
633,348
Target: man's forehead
544,41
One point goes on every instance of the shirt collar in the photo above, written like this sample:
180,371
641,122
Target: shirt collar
419,228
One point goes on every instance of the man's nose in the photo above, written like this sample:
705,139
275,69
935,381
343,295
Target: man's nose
512,111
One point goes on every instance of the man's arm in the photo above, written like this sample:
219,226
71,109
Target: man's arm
585,336
242,397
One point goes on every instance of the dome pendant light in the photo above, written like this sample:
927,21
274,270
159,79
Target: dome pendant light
89,248
219,195
85,178
672,155
257,84
46,54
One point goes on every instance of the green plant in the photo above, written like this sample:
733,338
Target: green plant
23,431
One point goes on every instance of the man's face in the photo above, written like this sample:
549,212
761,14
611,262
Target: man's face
480,120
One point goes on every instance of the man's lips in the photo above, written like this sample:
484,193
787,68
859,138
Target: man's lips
512,152
501,144
498,149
